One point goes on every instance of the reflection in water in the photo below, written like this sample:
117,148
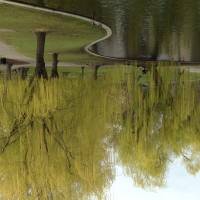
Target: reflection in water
180,186
53,139
157,29
160,122
61,139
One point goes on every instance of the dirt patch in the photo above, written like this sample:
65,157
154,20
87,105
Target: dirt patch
16,62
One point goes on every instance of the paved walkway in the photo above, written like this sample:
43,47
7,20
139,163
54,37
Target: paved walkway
9,53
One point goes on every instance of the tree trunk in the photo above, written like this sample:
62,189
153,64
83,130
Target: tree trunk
156,76
8,70
94,71
82,68
22,72
54,72
40,69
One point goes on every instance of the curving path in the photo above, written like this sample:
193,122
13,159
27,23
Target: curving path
6,51
21,60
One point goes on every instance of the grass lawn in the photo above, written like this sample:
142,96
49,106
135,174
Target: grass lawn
74,71
172,74
168,75
69,36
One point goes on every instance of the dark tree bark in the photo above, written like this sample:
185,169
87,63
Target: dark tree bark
54,71
156,76
22,72
8,70
40,69
82,68
95,68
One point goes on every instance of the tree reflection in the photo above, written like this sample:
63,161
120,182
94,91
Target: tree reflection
53,139
61,138
160,122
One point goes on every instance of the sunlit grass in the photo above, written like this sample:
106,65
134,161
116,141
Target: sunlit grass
69,36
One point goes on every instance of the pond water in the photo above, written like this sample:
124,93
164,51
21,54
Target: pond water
147,30
180,186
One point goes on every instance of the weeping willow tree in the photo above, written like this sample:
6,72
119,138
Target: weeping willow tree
160,122
61,138
54,138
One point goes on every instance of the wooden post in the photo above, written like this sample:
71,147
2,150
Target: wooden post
8,70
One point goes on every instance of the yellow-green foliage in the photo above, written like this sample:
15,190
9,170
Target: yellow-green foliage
161,121
55,138
61,138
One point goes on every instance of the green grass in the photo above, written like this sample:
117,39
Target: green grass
74,71
69,36
173,74
145,78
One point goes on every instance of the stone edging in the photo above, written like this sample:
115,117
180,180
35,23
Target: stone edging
105,27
